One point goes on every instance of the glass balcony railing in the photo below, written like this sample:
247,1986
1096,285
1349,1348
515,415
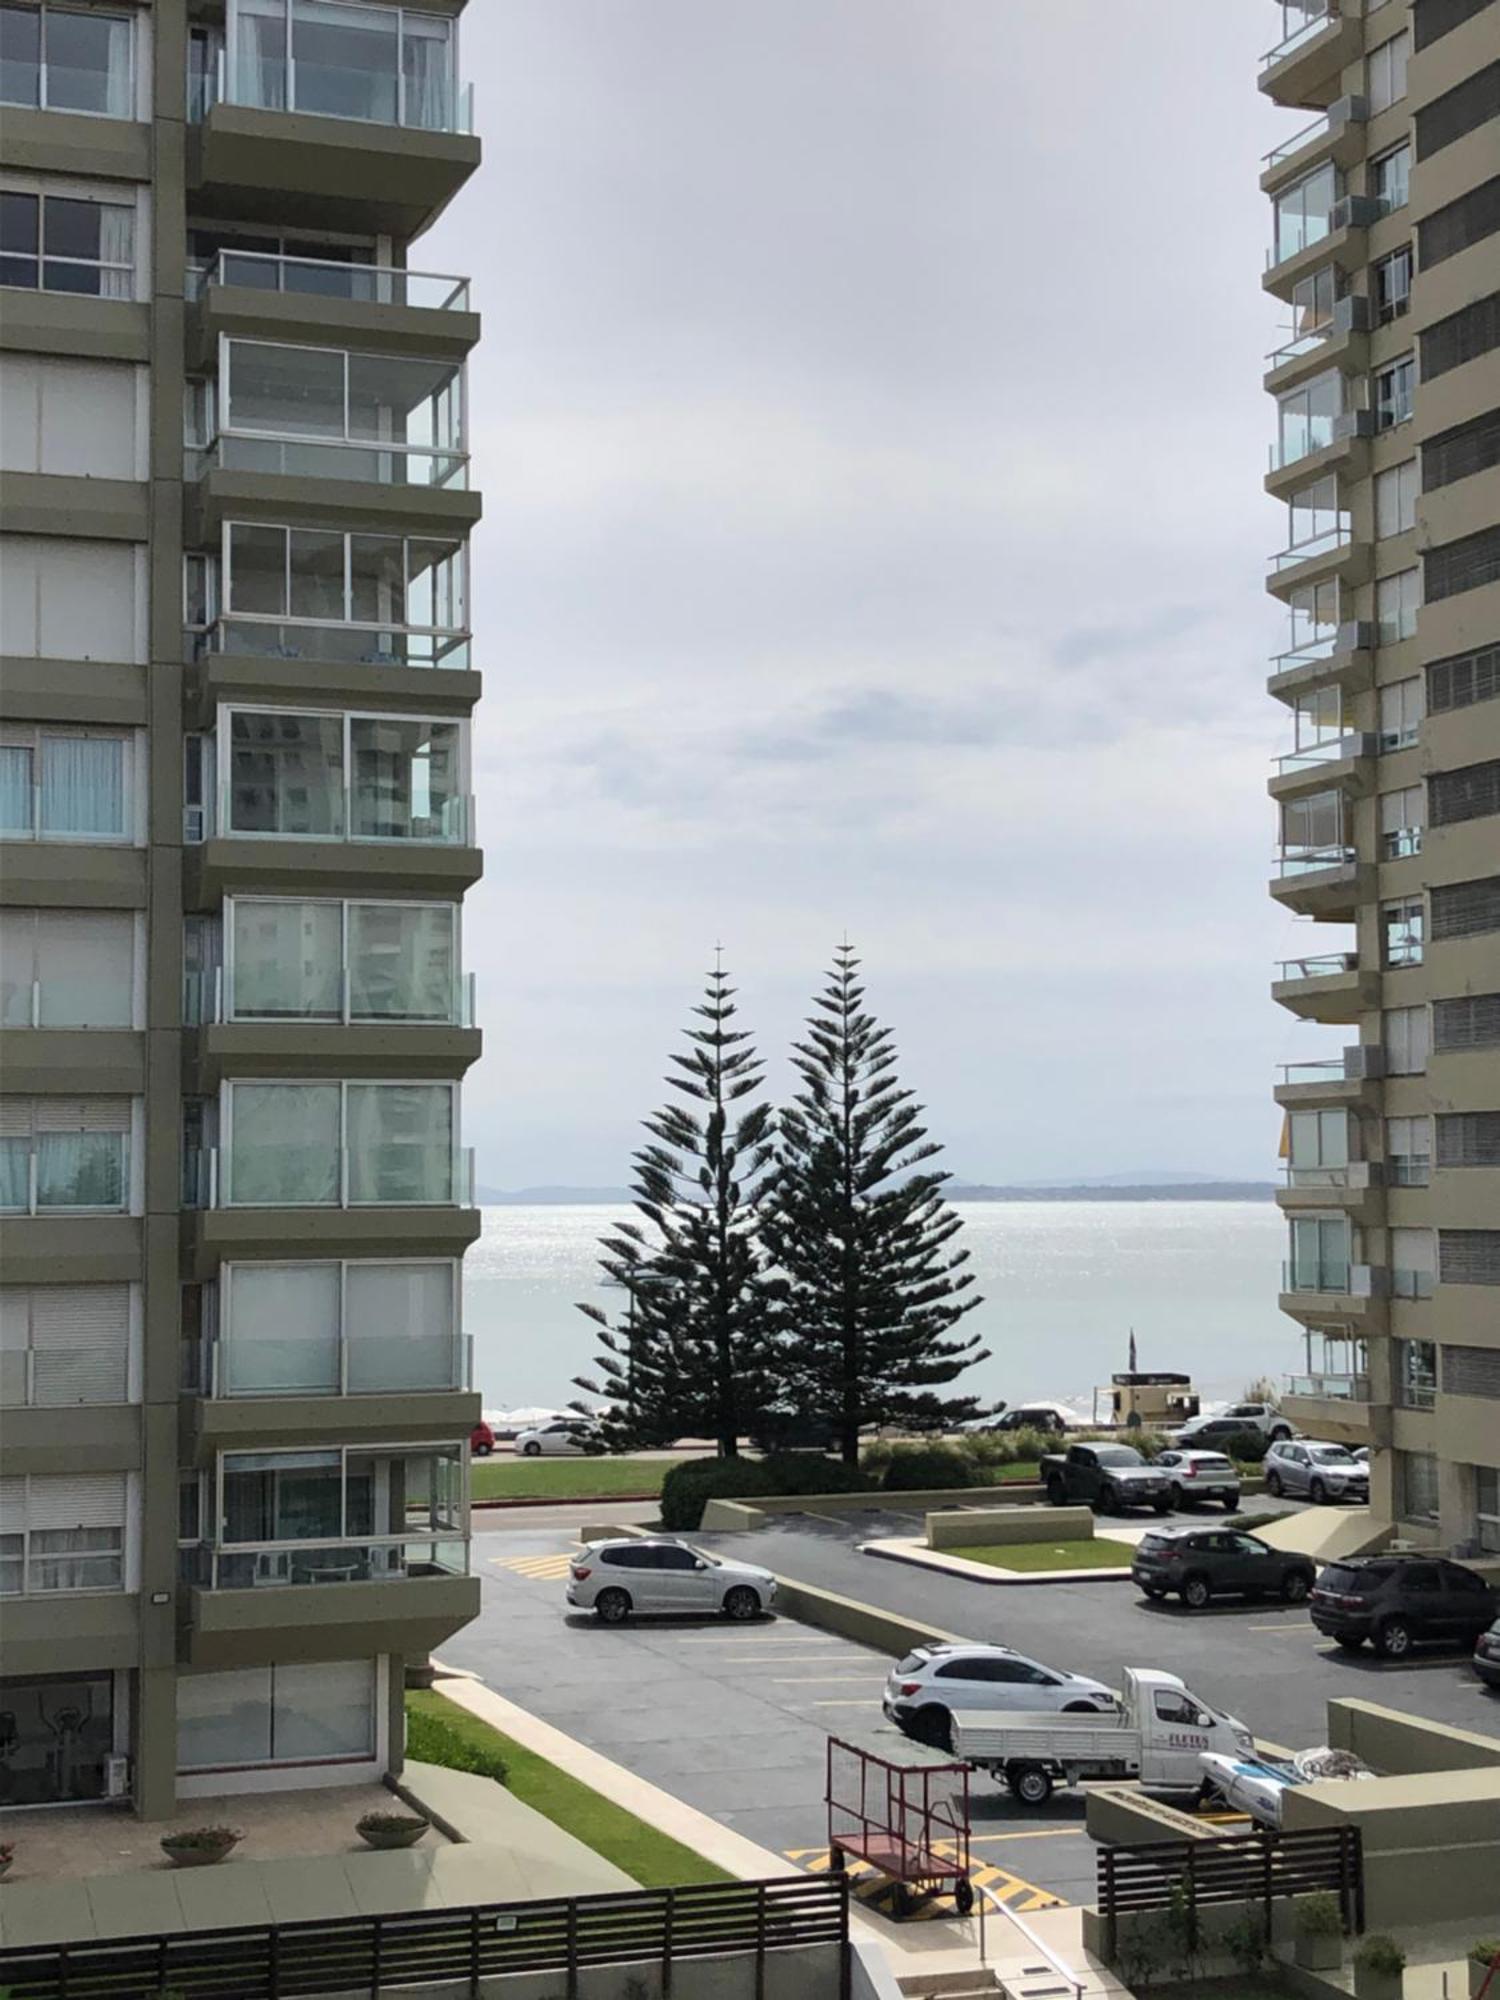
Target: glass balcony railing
1293,861
1300,440
388,463
383,1559
1301,20
359,1364
1331,750
374,66
1327,543
1412,1284
1335,1388
1318,129
338,1177
315,277
363,821
1325,1176
342,643
1331,1069
1329,965
206,1002
1328,1274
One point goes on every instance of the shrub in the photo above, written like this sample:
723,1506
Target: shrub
386,1822
1009,1447
1246,1943
1319,1915
431,1740
690,1485
913,1467
1382,1955
1482,1950
1246,1447
202,1838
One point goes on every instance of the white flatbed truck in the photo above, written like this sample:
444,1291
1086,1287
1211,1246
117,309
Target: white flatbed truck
1157,1737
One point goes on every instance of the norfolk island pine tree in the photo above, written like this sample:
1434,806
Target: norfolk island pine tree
867,1282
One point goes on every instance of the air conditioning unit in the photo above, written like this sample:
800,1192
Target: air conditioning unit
1350,110
1355,211
1351,313
1357,635
1354,424
116,1777
1364,1063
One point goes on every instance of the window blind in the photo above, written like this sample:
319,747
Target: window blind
83,1500
1471,1371
1432,19
1463,336
1463,109
1465,679
1472,792
1468,1139
81,1338
1461,452
1466,909
1469,1256
1469,1022
1467,564
1462,223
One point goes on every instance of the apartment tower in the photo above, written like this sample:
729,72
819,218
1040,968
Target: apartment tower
234,771
1385,251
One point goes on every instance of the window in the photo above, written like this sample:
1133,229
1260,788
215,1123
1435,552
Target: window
318,1713
309,960
1312,829
1314,515
1417,1496
1180,1709
65,784
66,59
384,65
338,1329
1416,1373
1413,1263
1463,223
76,418
1317,725
1320,1254
1469,1256
1396,491
1385,73
1487,1508
1433,19
1401,932
64,1344
341,1145
1468,1139
1391,285
1401,818
1463,680
1463,336
1400,712
1461,452
1314,612
1459,111
1408,1151
1471,1022
67,968
62,1534
1390,183
1313,301
311,775
67,243
1406,1040
64,1153
1398,598
1466,909
1319,1147
1472,792
1394,388
1306,416
1467,564
62,598
1302,212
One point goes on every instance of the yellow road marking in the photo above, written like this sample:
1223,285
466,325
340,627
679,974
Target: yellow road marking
537,1568
870,1886
1039,1833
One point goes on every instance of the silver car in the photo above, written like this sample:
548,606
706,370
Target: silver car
1199,1476
663,1576
1317,1472
925,1688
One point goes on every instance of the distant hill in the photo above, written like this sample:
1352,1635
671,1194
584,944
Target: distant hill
1204,1189
553,1197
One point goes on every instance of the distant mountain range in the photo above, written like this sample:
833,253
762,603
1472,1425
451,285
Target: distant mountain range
1110,1187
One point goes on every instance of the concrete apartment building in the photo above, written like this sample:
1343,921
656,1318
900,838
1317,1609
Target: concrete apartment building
234,770
1385,214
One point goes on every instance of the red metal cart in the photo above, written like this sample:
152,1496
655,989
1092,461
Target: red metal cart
909,1821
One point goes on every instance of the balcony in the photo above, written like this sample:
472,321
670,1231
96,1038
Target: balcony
1354,1189
1330,987
1331,1081
1336,134
1346,762
336,1177
1328,883
1312,1289
1305,66
400,311
1338,657
1333,553
361,126
1322,443
1335,1407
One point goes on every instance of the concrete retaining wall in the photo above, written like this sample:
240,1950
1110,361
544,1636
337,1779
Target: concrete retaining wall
1119,1814
1431,1843
1398,1744
862,1622
972,1526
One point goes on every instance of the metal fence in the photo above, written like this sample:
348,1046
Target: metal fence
1258,1867
428,1950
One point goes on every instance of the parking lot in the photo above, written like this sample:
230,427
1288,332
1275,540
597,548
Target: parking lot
733,1719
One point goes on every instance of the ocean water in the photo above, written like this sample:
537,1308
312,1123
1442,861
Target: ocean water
1063,1283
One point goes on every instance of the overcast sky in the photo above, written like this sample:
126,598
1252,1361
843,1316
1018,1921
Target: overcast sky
870,430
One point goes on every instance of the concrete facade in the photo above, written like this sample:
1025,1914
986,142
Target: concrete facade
237,681
1385,214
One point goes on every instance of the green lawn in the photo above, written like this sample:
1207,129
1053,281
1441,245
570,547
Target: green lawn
1099,1553
569,1478
653,1859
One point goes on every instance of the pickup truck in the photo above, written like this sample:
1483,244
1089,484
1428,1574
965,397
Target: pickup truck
1110,1477
1158,1736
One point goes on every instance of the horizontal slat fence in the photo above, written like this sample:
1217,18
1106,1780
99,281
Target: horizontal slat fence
1262,1867
425,1949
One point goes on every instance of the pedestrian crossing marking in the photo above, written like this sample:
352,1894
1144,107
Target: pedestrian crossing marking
539,1569
869,1885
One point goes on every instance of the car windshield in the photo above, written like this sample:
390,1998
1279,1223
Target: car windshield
1331,1454
1118,1454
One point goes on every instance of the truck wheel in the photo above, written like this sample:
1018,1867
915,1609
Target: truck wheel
1057,1492
1195,1592
1030,1783
1280,1432
1106,1502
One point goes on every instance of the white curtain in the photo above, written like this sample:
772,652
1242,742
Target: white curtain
287,961
259,56
428,72
401,961
399,1321
400,1142
116,251
285,1145
15,788
282,1331
83,785
86,968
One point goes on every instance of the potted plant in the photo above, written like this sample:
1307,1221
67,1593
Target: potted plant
1320,1932
199,1846
1379,1966
7,1855
1482,1952
383,1829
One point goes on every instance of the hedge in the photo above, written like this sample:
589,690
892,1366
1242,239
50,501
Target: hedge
689,1486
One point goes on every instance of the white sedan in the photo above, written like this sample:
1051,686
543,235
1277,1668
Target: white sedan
615,1578
569,1437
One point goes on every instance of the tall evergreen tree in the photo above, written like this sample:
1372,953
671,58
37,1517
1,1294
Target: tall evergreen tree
696,1351
869,1283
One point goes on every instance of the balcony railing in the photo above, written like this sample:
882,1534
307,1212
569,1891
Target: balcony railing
1318,129
388,463
206,1004
361,284
1294,861
1315,1275
449,823
1330,965
1412,1284
341,642
1349,1174
1326,544
276,1565
1332,750
1305,30
1336,1388
205,1184
218,1368
241,75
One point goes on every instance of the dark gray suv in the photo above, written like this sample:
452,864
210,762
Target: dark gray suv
1398,1601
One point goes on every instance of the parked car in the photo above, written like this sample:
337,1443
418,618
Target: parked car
1221,1434
1399,1601
481,1440
662,1575
1203,1563
1315,1471
569,1437
1036,1417
1262,1418
1110,1477
1487,1656
1197,1476
924,1690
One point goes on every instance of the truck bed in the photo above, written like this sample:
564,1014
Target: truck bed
996,1736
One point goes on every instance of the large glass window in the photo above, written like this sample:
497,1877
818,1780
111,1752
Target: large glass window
337,59
62,1534
65,59
1390,179
1417,1493
1400,701
67,968
338,1329
1396,491
1306,417
312,960
342,1144
1398,599
1402,816
59,1730
329,776
64,784
1401,928
329,413
64,1153
286,773
316,1713
1407,1040
1416,1364
1408,1151
1385,72
1303,212
67,243
1487,1508
1320,1254
1319,1146
1312,830
1391,285
1395,387
1315,520
1313,611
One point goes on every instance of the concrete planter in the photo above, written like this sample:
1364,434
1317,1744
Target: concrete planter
394,1833
199,1857
1372,1985
1318,1952
1477,1976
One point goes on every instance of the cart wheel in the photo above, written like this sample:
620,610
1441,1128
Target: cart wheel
963,1896
902,1901
837,1861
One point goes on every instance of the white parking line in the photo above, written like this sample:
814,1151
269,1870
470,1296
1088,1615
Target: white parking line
815,1680
863,1702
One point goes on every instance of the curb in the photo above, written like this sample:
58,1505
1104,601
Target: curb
981,1573
573,1500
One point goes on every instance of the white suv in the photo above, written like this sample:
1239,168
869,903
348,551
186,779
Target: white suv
928,1685
613,1579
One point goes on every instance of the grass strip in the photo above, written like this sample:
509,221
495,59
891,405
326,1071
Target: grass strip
651,1858
1097,1553
568,1478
